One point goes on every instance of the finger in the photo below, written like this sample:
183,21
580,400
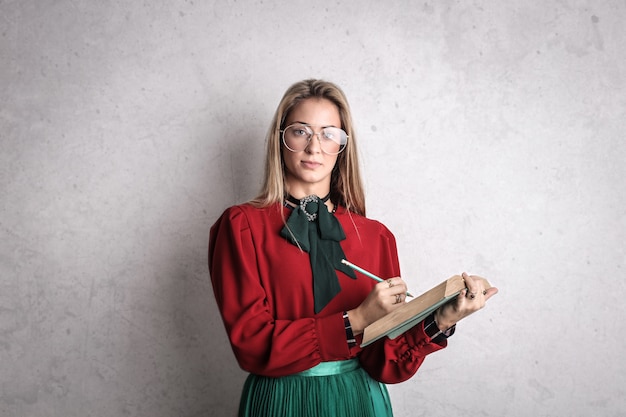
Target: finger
397,299
475,286
396,283
385,286
490,293
471,291
397,292
469,302
395,280
469,281
400,289
390,282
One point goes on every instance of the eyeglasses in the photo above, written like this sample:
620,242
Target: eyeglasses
297,137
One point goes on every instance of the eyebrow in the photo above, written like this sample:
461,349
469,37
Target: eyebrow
309,124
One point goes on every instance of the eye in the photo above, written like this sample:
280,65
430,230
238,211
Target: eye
300,131
329,134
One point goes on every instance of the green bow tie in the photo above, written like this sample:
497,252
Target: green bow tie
316,231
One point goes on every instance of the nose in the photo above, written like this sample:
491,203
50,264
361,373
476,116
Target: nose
315,143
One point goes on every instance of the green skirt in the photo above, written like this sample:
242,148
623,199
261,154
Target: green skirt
333,389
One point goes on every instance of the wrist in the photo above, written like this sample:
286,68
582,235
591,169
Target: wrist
441,321
355,321
348,328
432,329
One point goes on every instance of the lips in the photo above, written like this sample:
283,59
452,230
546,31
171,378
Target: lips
311,164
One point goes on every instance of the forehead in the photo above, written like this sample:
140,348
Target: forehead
315,111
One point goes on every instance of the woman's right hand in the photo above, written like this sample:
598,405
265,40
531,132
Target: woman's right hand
385,297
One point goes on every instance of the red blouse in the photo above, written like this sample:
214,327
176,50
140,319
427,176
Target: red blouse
263,287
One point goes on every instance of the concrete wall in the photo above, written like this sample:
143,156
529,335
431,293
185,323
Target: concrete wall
492,140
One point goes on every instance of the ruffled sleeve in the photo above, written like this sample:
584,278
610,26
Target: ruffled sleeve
395,360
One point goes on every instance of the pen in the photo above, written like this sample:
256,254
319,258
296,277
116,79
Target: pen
367,273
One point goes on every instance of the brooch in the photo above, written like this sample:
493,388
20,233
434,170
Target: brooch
310,214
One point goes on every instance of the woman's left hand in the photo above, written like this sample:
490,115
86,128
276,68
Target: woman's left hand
470,300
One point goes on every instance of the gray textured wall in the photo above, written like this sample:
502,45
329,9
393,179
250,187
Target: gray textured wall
492,137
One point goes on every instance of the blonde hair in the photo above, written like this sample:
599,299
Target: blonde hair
346,187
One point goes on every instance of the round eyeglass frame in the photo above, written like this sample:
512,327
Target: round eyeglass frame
341,146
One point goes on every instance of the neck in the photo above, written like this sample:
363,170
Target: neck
295,201
299,192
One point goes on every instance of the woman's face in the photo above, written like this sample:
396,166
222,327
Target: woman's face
308,171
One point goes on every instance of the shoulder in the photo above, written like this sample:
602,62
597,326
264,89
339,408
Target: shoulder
238,210
246,215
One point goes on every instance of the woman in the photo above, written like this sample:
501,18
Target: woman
293,312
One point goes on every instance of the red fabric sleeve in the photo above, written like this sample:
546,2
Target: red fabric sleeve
395,360
263,343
